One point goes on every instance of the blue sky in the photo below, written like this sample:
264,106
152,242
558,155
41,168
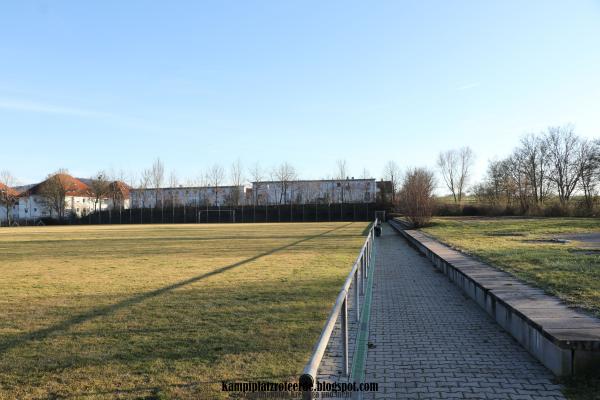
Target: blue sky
113,85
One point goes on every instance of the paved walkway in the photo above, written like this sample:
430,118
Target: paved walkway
429,341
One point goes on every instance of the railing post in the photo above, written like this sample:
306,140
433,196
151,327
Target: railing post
356,294
345,333
368,250
363,272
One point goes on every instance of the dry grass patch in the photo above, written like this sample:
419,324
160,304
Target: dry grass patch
156,311
525,247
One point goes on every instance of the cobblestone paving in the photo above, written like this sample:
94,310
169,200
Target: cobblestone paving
431,342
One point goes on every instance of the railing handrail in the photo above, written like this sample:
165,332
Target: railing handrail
309,374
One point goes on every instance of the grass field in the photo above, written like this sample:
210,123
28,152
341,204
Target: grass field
161,311
517,245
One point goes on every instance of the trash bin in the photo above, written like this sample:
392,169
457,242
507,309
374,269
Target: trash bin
377,230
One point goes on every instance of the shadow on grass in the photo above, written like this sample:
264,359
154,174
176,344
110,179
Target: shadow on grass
41,334
194,338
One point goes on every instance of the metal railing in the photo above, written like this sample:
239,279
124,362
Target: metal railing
358,274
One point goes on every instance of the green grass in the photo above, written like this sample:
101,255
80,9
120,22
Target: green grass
164,311
560,269
510,244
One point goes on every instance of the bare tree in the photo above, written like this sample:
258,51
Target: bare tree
534,164
342,176
285,174
365,174
173,179
275,188
237,180
455,168
520,180
342,169
417,196
466,158
157,178
144,184
130,180
53,192
391,173
555,162
173,193
8,197
447,165
99,187
257,176
495,177
215,177
202,182
497,187
564,152
117,192
589,170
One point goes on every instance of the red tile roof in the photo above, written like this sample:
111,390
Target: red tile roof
73,186
11,191
120,187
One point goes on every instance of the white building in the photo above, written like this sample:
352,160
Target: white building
8,204
119,196
189,196
78,200
315,191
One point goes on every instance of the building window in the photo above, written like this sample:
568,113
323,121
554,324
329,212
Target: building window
35,210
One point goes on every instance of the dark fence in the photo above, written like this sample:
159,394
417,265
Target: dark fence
239,214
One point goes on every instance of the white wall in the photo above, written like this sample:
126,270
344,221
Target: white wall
188,196
109,204
322,191
33,207
12,212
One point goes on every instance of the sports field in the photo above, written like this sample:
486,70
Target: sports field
164,311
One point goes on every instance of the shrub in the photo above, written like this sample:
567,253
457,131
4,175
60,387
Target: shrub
416,196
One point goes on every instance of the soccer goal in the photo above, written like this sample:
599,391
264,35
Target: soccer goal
216,216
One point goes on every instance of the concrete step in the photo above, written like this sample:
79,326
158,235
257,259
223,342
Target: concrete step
565,340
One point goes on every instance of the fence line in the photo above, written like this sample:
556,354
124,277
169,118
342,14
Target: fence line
224,214
358,274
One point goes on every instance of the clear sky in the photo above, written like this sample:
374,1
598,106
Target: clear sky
115,84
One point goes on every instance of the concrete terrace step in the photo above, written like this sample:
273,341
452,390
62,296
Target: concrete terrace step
565,340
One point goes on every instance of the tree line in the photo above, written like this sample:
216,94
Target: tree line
106,186
555,172
551,172
549,169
